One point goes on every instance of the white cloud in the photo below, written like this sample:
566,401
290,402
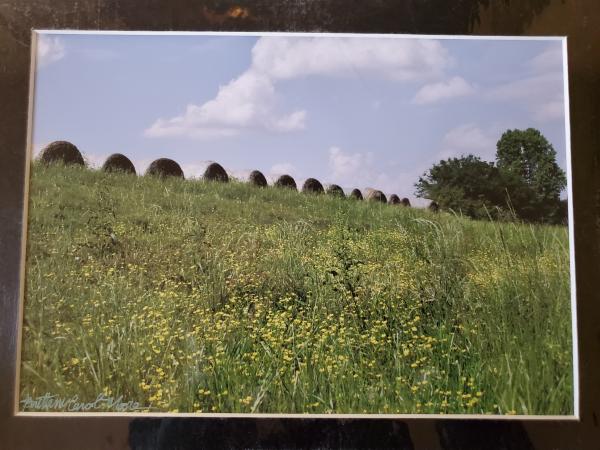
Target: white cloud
435,92
49,50
282,169
346,167
468,138
549,111
246,102
541,91
550,59
396,59
250,101
541,94
362,170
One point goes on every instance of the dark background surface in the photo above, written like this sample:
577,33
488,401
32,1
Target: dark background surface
577,19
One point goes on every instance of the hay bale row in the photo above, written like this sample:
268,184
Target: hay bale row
356,194
61,152
66,153
118,162
256,178
215,172
394,200
164,167
335,190
313,185
374,195
286,181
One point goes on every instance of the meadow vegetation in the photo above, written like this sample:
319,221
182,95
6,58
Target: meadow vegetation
197,296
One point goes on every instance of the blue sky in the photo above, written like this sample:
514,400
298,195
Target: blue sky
355,111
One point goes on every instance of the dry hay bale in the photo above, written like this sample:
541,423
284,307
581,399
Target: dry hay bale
394,200
313,185
356,194
334,189
164,167
118,162
406,202
285,181
434,207
62,152
256,178
376,196
215,172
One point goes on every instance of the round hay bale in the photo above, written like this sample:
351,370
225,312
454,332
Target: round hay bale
406,202
285,181
376,196
118,162
434,207
394,200
356,194
334,189
215,172
256,178
61,152
313,185
164,167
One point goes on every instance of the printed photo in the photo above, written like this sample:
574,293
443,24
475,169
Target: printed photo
276,223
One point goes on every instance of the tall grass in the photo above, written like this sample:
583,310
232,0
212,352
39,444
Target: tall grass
194,296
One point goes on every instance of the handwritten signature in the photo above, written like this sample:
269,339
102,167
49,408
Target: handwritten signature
50,402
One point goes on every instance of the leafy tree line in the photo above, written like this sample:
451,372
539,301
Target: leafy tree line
523,183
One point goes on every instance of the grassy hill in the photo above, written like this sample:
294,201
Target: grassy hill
194,296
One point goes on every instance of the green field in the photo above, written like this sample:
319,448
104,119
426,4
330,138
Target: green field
191,296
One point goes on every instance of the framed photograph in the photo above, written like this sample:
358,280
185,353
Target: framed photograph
370,235
342,224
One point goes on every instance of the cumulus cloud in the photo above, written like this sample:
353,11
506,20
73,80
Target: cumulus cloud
282,169
548,60
444,90
362,170
468,138
548,111
541,91
250,101
541,94
50,49
396,59
246,102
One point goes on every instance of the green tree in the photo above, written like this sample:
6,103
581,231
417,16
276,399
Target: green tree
527,154
471,186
